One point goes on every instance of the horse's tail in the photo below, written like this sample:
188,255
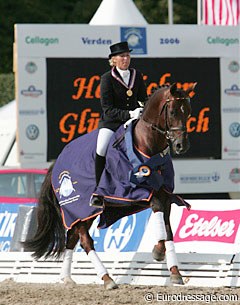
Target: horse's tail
49,239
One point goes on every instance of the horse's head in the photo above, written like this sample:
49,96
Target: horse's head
168,113
177,110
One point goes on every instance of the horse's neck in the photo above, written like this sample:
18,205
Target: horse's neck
147,140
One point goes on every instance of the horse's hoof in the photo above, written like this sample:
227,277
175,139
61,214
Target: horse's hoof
68,281
176,279
158,255
110,284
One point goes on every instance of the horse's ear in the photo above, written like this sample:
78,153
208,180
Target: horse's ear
173,89
191,88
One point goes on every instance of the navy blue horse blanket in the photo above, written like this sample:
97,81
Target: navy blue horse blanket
127,182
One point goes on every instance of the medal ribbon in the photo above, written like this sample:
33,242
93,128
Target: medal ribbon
132,78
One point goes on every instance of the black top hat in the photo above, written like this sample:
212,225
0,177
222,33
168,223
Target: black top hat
118,48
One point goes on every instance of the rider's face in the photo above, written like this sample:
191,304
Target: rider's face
122,61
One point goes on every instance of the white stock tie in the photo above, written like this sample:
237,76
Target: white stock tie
126,75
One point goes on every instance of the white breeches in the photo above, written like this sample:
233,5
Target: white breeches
103,139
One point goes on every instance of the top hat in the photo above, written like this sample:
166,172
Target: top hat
118,48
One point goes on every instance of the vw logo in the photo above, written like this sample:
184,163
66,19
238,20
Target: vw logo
31,67
234,66
234,129
32,132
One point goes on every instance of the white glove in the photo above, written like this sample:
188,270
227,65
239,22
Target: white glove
135,114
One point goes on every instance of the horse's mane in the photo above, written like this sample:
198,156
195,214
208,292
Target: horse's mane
179,92
154,92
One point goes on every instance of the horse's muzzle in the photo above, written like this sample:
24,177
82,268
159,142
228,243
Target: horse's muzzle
181,145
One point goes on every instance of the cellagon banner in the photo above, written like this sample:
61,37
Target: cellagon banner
73,98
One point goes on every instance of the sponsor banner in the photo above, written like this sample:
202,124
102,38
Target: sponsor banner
8,215
180,41
230,107
210,226
206,176
125,235
53,40
74,100
31,110
64,40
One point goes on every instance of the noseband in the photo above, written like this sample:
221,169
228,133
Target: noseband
168,131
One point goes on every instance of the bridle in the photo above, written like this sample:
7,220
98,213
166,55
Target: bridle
168,131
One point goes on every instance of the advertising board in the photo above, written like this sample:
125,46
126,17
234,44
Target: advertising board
58,69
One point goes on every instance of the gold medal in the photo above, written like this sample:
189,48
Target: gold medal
129,92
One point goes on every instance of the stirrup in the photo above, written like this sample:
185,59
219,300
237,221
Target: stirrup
96,201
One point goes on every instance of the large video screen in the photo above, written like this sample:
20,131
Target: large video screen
73,98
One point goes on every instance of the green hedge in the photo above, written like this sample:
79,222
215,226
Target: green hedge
7,93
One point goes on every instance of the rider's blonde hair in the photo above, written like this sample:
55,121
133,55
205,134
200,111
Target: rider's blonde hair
111,62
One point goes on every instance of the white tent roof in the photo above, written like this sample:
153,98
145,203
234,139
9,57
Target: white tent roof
117,12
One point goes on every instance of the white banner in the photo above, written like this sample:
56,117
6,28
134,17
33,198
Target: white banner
66,40
230,107
211,226
206,176
32,110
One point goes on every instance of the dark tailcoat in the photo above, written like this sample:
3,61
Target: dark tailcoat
114,99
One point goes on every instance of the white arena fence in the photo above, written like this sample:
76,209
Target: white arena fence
207,243
135,268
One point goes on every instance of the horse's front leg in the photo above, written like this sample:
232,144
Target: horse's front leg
162,228
159,229
86,243
171,258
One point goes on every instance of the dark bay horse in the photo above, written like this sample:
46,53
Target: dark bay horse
64,197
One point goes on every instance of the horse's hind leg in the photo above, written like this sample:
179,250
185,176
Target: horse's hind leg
72,239
87,244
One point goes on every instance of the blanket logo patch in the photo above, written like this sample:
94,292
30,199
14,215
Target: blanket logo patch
143,171
66,185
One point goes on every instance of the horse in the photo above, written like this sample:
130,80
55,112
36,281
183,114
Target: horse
148,179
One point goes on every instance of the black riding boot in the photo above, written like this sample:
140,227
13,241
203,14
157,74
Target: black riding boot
100,161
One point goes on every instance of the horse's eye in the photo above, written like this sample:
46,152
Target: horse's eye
173,112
